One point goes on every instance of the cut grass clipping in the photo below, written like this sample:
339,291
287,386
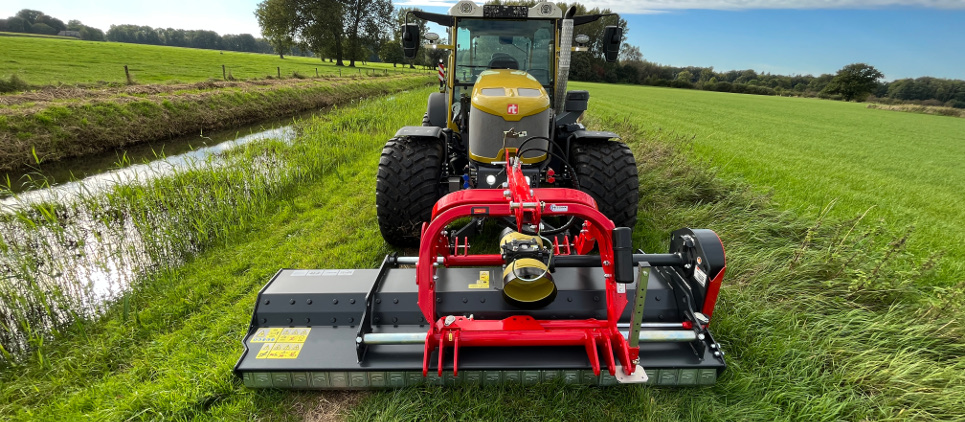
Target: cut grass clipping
813,324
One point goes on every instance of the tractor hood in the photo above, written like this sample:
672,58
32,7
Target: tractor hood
510,94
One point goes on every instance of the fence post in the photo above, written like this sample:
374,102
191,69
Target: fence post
316,72
279,72
224,75
128,75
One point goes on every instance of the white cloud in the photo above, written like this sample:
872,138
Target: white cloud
656,6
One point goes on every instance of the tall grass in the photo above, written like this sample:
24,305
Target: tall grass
165,349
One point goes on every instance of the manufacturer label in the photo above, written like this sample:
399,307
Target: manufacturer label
513,134
700,276
512,109
559,208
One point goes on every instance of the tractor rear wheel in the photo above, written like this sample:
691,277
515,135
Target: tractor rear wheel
407,186
608,172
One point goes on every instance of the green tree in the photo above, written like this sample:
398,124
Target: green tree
29,15
361,14
42,28
391,52
313,25
18,24
277,21
854,82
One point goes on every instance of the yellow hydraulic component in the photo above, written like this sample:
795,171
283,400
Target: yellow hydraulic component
527,282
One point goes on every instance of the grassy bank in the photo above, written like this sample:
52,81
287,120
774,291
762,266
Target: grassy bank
34,127
166,349
50,61
817,316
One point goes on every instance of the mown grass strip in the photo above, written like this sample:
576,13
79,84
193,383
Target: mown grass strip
814,154
49,61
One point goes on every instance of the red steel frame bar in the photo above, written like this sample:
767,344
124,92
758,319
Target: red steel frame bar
528,206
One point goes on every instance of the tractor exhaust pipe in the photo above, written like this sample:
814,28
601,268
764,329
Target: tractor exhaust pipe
563,69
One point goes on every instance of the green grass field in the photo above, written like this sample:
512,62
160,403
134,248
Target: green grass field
48,61
902,168
813,326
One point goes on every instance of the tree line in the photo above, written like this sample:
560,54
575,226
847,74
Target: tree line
36,22
204,39
29,21
848,84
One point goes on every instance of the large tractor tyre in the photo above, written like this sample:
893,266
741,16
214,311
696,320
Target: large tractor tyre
407,186
608,172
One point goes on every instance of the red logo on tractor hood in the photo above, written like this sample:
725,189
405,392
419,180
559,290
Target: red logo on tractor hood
512,109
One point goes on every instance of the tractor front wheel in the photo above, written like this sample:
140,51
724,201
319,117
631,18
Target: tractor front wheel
608,172
407,186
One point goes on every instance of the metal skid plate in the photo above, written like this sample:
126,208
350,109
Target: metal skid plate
304,330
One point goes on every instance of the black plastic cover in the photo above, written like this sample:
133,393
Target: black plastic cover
577,100
622,255
410,40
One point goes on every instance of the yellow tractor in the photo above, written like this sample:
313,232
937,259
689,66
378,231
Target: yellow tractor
566,299
504,95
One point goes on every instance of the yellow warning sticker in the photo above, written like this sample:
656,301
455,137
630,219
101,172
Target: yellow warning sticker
280,343
281,335
285,351
483,282
265,350
293,335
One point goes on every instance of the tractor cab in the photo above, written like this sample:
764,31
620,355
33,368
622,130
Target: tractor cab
503,97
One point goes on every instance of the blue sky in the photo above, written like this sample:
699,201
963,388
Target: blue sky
902,38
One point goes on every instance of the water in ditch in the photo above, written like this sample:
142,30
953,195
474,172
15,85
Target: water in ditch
67,245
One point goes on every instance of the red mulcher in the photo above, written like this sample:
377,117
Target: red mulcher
541,309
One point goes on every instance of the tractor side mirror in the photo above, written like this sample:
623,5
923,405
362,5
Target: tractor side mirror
410,40
612,35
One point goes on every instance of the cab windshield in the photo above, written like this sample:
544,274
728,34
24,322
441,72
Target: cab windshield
483,44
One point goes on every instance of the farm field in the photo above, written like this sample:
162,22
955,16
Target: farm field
821,157
812,326
51,61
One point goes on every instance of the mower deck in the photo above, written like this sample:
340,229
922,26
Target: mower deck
307,324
